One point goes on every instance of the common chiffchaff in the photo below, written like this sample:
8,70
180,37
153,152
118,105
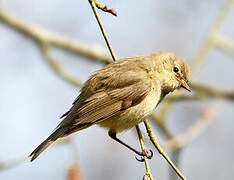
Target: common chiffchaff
121,95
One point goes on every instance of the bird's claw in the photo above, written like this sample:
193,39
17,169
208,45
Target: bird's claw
141,159
148,154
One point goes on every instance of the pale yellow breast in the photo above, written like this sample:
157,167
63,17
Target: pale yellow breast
135,114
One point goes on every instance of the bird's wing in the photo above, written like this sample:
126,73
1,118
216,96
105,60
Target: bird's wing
109,99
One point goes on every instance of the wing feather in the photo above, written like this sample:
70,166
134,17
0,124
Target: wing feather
106,95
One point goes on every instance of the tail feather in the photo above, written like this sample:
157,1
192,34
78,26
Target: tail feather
45,144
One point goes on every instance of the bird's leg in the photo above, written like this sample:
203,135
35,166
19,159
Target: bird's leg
149,155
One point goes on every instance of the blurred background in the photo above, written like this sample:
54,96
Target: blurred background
33,97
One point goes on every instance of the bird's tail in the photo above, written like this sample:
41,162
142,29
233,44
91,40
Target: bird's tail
45,144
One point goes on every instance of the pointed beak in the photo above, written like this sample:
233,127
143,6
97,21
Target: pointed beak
184,84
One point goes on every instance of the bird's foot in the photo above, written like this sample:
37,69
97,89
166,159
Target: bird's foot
148,154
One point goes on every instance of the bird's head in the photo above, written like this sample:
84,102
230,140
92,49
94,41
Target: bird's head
174,72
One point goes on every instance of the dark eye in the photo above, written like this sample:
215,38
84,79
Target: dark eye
176,69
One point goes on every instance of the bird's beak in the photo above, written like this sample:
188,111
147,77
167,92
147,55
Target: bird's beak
184,84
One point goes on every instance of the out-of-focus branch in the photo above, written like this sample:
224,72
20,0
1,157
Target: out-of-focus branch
224,43
39,34
211,41
58,68
191,133
45,39
159,119
13,163
203,92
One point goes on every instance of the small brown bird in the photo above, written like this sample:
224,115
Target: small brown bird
121,95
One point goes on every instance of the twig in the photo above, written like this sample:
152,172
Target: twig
105,8
93,5
141,139
160,150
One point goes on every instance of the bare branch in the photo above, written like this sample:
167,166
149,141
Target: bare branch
160,150
40,34
104,8
93,5
141,139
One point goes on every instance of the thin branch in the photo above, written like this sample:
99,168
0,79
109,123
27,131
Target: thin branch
160,150
105,8
93,5
207,46
141,139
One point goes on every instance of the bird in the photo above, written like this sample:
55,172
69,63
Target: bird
121,95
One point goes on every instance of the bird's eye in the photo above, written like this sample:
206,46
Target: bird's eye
176,69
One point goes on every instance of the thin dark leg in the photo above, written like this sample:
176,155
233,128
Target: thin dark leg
140,153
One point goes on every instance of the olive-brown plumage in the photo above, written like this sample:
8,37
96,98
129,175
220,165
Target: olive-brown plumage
122,94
